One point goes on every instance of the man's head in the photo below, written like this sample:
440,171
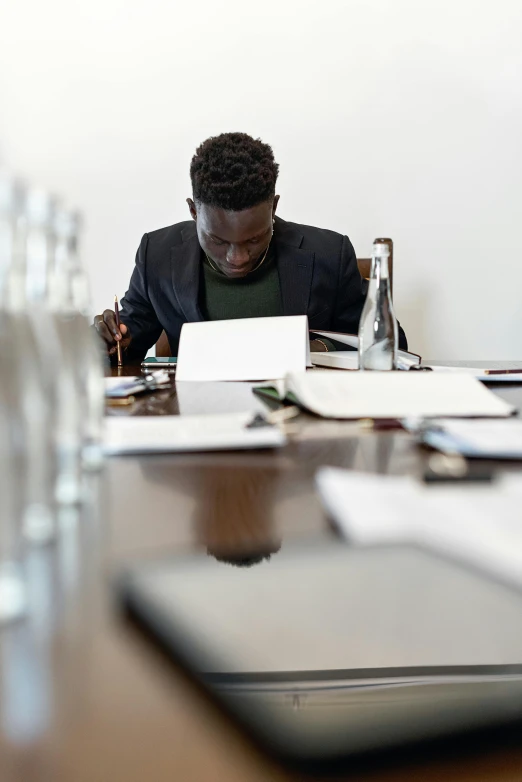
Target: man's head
233,200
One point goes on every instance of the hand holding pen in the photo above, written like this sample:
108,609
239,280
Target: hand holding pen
114,333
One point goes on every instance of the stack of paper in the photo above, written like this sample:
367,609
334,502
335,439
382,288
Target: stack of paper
393,395
481,524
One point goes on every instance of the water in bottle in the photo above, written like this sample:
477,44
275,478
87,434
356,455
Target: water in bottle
378,335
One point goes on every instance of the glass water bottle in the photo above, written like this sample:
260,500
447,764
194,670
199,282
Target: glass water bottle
378,335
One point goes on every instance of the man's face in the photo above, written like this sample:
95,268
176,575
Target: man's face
234,241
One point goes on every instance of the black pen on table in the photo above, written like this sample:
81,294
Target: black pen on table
117,316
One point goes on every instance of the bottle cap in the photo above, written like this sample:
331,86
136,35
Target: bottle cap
381,250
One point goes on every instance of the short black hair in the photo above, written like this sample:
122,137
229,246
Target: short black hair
233,171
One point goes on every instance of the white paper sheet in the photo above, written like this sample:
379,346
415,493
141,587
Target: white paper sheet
173,433
394,395
480,524
493,439
245,349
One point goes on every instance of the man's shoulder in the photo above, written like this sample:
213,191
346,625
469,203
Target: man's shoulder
171,234
310,236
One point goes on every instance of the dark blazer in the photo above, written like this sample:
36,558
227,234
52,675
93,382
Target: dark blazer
317,269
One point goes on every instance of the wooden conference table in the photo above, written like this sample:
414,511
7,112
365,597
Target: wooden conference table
83,698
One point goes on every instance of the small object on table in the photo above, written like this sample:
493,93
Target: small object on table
120,402
273,418
452,467
131,385
503,371
154,362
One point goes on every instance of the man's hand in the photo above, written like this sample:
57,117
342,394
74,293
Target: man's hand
318,346
106,327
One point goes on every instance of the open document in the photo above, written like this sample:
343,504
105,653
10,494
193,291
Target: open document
392,395
479,523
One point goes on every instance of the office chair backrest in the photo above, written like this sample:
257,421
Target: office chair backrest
365,264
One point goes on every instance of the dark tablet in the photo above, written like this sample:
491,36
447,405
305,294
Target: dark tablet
327,654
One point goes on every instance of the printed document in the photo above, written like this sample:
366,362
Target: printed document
243,349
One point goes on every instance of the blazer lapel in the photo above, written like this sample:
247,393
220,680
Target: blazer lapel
186,263
295,267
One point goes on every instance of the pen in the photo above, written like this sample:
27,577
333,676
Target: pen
503,371
117,315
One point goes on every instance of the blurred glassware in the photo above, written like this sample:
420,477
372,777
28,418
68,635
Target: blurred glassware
12,584
54,390
69,298
51,322
26,395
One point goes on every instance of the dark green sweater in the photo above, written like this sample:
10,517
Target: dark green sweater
258,295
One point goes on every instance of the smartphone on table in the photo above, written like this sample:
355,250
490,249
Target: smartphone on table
156,362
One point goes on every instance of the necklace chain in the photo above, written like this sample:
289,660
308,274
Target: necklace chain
261,262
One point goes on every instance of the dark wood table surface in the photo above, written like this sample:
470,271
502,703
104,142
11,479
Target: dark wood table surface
82,697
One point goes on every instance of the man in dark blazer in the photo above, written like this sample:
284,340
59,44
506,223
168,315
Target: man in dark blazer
236,259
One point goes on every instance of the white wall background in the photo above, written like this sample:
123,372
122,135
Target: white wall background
388,117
